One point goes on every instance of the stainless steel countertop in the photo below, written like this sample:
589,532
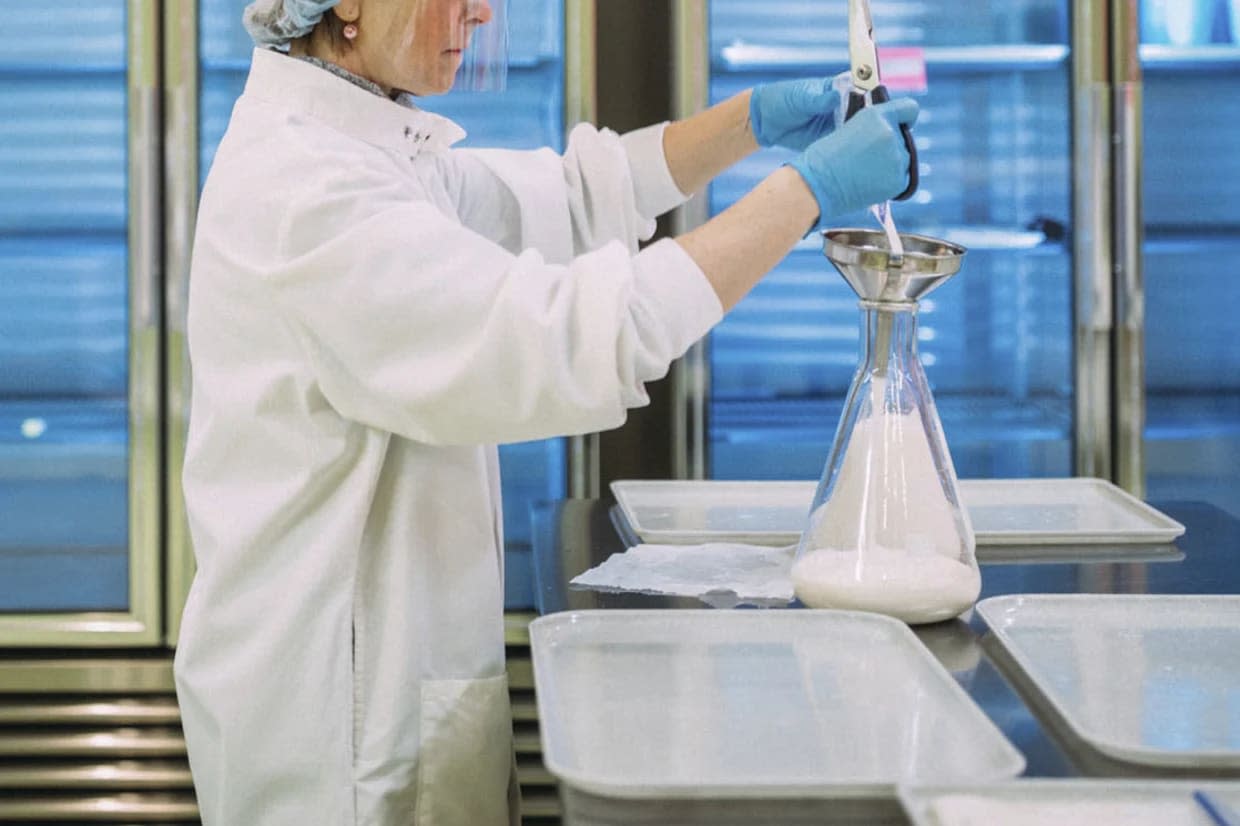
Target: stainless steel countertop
572,536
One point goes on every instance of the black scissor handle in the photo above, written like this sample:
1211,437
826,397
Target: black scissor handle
856,102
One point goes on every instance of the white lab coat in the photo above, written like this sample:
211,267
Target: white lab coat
370,312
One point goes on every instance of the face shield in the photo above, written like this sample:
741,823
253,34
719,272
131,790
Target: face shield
482,28
484,65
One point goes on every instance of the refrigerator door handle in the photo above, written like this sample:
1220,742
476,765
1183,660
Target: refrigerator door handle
581,106
691,373
1092,238
1129,401
145,273
181,142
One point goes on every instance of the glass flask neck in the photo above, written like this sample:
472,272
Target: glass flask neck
889,335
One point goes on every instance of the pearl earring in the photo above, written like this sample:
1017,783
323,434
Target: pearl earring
350,31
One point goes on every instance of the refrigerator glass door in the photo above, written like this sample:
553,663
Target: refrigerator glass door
78,332
528,114
994,144
1191,201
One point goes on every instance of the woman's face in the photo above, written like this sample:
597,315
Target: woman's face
415,45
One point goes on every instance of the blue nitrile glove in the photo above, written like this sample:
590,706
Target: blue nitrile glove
863,162
793,113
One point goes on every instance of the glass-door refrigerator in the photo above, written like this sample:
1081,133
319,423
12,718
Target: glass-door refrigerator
1190,59
208,56
80,317
1015,162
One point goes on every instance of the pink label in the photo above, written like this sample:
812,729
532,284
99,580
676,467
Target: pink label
903,68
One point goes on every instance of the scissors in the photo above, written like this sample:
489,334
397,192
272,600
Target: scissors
863,55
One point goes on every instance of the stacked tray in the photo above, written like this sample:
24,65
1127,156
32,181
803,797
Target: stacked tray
1003,511
653,706
1145,680
1066,803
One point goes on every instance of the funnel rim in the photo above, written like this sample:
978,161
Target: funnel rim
952,249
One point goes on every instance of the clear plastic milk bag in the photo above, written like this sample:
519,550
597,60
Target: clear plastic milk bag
887,531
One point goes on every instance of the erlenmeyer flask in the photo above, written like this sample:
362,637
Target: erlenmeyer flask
886,531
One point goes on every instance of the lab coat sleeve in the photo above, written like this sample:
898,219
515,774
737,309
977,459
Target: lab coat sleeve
416,325
653,185
605,188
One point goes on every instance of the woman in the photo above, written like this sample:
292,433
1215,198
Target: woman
371,311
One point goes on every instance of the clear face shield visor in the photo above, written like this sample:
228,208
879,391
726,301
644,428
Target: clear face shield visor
484,64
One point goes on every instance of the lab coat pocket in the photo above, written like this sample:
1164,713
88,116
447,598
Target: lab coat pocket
466,755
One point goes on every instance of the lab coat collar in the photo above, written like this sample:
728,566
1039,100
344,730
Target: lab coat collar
334,101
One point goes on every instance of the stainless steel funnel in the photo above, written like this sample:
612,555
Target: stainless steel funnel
861,256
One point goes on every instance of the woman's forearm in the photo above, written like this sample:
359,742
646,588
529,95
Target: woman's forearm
745,242
701,146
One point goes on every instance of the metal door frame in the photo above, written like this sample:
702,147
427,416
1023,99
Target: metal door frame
1128,98
1093,226
691,372
181,92
1109,306
581,106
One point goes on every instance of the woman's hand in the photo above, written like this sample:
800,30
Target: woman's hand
863,163
793,113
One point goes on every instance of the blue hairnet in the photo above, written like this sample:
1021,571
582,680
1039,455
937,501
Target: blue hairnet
276,22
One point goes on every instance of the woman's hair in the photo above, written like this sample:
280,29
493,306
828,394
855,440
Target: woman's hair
274,23
333,27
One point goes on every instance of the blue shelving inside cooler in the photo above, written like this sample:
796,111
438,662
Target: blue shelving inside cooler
994,138
1191,205
1192,173
67,34
989,437
64,343
1191,296
995,341
535,31
63,403
63,120
1192,367
64,318
64,165
793,24
1001,327
64,480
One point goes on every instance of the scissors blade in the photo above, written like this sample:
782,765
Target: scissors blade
862,52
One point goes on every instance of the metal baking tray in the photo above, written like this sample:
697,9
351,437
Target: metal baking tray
1076,511
1065,803
662,705
1150,680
